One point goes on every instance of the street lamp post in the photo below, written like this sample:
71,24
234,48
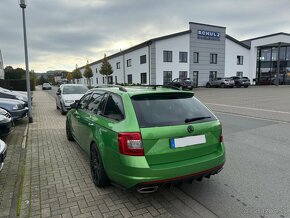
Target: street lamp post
22,4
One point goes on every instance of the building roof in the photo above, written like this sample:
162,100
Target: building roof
238,42
266,36
141,45
207,25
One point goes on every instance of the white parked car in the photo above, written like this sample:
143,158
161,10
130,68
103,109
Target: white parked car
67,94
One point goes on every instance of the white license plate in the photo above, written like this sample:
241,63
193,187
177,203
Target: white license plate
187,141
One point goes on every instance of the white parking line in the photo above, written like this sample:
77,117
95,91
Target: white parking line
248,108
247,116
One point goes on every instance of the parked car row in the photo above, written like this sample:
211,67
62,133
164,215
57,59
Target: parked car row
13,107
229,82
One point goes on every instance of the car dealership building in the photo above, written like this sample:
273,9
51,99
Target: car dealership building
201,53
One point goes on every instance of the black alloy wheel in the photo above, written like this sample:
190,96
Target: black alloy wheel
68,132
238,85
222,85
97,168
208,85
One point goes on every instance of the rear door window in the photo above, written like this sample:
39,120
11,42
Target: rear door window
114,108
169,109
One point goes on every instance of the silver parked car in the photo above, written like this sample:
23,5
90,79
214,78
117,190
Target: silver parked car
67,94
241,81
221,82
16,108
3,152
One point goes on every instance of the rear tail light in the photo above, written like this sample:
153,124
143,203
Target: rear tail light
221,138
130,143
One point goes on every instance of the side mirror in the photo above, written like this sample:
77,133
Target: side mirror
73,105
58,93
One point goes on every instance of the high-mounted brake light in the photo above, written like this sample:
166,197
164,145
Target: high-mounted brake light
130,143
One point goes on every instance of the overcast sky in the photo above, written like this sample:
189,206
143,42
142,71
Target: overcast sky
63,33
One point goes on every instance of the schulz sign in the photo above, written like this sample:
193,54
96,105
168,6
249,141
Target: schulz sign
208,35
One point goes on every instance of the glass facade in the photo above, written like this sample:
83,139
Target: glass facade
268,59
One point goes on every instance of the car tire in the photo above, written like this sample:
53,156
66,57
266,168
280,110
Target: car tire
208,85
222,85
246,86
61,109
68,132
98,173
231,87
57,107
238,85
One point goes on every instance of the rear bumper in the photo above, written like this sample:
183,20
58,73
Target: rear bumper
132,175
5,128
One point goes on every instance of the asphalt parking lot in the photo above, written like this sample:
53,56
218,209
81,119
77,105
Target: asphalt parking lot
253,183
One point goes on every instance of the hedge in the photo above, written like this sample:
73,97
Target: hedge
17,84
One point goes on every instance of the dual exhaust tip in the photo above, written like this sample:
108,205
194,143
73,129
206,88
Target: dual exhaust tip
147,190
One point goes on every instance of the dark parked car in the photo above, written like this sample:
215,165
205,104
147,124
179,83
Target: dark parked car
6,93
46,86
220,82
3,152
241,81
5,122
185,83
16,108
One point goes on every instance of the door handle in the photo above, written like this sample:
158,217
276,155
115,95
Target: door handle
77,116
91,124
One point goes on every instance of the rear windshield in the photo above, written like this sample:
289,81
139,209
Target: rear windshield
74,89
169,109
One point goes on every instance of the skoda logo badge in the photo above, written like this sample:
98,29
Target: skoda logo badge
190,129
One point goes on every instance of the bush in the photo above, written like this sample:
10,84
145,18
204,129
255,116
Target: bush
17,84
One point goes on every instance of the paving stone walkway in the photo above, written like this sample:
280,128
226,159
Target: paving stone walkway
57,181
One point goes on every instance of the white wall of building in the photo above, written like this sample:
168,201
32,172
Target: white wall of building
136,68
232,51
176,44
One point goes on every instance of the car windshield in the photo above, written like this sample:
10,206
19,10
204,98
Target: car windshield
169,109
46,84
74,90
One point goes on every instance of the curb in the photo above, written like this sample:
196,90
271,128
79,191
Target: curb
17,195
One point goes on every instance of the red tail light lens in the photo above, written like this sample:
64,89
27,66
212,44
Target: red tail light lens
221,138
130,143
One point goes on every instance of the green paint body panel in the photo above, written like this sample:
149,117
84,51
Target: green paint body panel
160,161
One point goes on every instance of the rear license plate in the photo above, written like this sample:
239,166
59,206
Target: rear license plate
187,141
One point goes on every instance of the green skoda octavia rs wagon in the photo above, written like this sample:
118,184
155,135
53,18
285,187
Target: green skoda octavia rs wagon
142,137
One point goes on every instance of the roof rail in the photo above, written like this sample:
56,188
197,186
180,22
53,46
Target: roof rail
121,88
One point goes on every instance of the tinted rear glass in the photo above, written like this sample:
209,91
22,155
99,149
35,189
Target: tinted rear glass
74,89
169,109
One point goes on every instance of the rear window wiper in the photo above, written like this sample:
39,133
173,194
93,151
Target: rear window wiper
188,120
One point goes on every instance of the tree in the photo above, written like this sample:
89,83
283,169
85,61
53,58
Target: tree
77,74
41,80
106,68
69,77
11,73
88,72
